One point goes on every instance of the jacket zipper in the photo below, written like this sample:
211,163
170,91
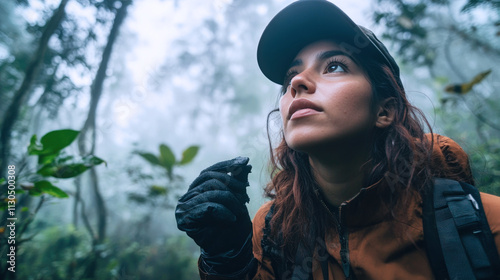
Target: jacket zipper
344,240
343,236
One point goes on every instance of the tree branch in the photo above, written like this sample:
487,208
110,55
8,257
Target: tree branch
12,112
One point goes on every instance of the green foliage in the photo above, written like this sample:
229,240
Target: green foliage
52,142
167,157
150,158
189,154
174,259
54,162
485,160
138,198
62,247
405,29
409,24
68,166
67,255
166,160
157,191
47,187
432,35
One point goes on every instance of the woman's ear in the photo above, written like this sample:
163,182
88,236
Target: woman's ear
385,114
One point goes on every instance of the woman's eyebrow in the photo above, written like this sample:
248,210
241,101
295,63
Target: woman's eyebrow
321,57
294,63
325,55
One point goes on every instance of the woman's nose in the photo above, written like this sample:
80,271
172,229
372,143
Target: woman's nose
303,83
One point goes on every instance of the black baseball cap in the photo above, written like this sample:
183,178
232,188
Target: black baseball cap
306,21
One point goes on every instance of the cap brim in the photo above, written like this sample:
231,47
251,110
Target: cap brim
300,24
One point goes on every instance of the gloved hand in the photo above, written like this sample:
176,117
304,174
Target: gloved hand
213,213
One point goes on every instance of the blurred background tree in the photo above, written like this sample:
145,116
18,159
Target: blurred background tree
453,49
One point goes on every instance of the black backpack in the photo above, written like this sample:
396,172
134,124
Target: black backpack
458,239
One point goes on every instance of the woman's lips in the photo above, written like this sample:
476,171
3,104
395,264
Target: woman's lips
302,113
302,107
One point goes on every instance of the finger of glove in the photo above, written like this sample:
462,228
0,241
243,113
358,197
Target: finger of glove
241,173
212,185
224,178
209,208
209,178
228,165
223,197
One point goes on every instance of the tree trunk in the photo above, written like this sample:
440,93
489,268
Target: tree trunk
90,123
20,97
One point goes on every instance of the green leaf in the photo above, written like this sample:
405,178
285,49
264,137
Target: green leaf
157,191
167,157
57,140
91,161
69,167
24,209
46,159
150,158
63,171
47,187
2,180
189,154
137,198
35,192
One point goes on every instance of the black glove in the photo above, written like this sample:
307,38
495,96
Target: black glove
213,213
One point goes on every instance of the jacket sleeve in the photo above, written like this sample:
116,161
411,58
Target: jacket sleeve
491,205
263,269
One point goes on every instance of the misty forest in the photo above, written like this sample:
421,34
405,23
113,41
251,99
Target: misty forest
110,108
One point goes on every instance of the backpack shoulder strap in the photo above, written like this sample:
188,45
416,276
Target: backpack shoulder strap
458,239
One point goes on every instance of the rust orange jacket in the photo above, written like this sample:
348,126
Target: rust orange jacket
375,249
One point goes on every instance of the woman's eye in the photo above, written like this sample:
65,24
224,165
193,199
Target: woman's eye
334,68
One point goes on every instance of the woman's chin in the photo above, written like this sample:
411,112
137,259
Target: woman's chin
320,145
306,144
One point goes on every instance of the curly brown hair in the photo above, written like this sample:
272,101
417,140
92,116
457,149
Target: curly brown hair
400,151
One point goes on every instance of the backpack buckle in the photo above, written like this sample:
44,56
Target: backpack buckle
473,201
464,212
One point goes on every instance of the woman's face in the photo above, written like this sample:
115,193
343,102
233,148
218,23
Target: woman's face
328,100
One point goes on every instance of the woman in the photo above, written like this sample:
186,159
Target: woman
349,173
